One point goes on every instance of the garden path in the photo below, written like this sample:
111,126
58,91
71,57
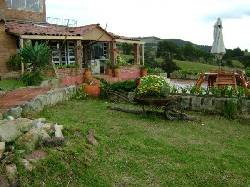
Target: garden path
19,97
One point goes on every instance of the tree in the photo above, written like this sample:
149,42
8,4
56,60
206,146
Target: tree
126,48
167,48
168,65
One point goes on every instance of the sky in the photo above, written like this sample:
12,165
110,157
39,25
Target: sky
190,20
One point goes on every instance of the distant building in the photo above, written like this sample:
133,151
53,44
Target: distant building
25,20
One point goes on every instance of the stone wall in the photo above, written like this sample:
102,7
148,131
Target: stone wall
37,104
213,105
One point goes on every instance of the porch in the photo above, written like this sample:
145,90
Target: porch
77,48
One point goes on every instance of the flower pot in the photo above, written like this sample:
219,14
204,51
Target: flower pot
109,72
92,90
117,72
144,72
87,75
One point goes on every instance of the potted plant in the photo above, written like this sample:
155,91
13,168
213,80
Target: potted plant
92,88
144,71
87,75
108,70
117,71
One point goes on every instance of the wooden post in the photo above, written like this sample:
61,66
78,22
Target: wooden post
113,52
137,54
143,55
79,54
21,46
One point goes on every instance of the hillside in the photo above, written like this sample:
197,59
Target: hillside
154,41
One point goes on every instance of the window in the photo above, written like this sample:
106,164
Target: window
63,54
27,5
99,50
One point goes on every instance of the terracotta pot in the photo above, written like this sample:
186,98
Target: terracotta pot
92,90
144,72
109,72
117,72
87,75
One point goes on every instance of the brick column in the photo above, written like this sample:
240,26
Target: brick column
137,54
21,44
143,55
113,54
79,54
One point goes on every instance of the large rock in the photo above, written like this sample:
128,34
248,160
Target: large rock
9,131
14,112
24,124
58,131
3,182
91,139
11,171
31,139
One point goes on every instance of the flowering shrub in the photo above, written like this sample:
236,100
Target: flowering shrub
153,85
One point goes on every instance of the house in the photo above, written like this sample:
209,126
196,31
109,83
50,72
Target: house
84,46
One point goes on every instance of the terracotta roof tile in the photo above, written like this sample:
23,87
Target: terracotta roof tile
27,28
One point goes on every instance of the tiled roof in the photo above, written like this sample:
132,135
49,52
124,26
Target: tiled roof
123,37
28,28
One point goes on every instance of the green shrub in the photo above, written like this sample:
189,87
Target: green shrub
155,71
80,94
230,109
152,85
32,78
127,86
36,57
248,71
14,62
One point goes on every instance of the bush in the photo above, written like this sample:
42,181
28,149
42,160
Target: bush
32,78
14,62
36,57
155,71
127,86
80,94
248,71
230,109
153,85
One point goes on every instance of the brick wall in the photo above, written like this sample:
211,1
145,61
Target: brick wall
8,47
127,73
10,14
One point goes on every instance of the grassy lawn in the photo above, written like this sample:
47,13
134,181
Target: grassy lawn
142,151
197,67
11,84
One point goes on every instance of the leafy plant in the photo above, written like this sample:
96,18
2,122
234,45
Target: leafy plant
32,78
121,61
151,86
80,94
127,86
14,62
230,109
36,57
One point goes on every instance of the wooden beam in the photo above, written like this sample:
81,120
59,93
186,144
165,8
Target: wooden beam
129,41
113,51
143,55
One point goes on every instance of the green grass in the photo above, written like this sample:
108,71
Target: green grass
196,67
10,84
142,151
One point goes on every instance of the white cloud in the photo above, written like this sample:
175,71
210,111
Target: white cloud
191,20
